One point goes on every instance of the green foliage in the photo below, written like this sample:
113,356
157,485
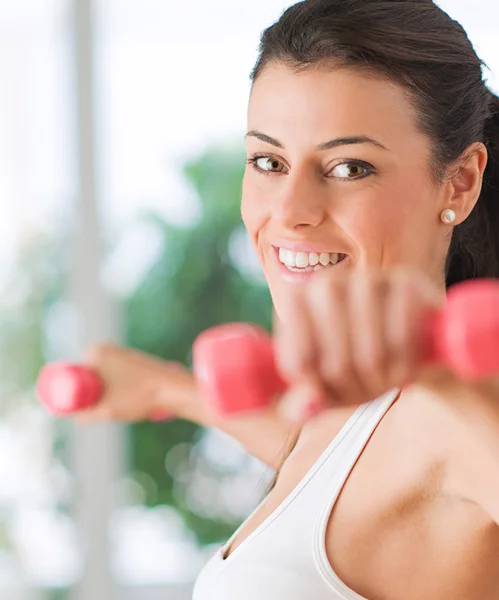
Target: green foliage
194,285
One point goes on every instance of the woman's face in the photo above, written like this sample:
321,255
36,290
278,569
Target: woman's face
338,170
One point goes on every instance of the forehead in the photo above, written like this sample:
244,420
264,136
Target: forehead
322,101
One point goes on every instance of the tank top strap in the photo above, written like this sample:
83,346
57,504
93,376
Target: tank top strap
340,456
329,470
339,471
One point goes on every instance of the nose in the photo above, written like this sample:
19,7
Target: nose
299,204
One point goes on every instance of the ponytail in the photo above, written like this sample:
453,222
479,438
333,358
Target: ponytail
474,250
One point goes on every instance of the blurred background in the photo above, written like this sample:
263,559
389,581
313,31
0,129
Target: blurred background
121,158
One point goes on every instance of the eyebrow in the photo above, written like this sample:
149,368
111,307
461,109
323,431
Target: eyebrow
336,143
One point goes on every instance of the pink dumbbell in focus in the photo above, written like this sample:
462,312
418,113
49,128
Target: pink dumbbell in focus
235,368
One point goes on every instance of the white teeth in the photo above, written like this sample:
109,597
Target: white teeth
308,261
287,257
313,259
324,259
302,260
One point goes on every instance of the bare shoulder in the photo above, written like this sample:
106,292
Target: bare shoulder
465,480
450,445
328,423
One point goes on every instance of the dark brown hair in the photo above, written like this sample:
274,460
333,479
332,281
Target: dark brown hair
417,45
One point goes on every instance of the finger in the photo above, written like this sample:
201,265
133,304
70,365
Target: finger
367,294
294,349
327,302
301,403
407,307
401,323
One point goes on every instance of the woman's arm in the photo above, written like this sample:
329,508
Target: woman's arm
137,385
265,435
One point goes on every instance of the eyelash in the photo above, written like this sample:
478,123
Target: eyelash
369,168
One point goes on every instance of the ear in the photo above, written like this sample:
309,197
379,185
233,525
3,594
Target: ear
465,184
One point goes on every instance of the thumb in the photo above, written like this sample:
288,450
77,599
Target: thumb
302,401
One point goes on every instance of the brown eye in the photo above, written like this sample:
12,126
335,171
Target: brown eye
267,163
350,170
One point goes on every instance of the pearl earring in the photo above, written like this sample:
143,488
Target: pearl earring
448,216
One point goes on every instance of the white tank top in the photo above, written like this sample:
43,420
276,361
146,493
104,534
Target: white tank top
284,558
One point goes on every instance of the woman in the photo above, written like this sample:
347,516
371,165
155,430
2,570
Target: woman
373,155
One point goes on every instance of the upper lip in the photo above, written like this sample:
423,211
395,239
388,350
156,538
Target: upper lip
296,246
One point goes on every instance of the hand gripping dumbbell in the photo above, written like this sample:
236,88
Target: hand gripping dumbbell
235,368
65,388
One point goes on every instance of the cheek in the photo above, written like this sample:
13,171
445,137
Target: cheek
398,219
409,210
253,210
381,215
